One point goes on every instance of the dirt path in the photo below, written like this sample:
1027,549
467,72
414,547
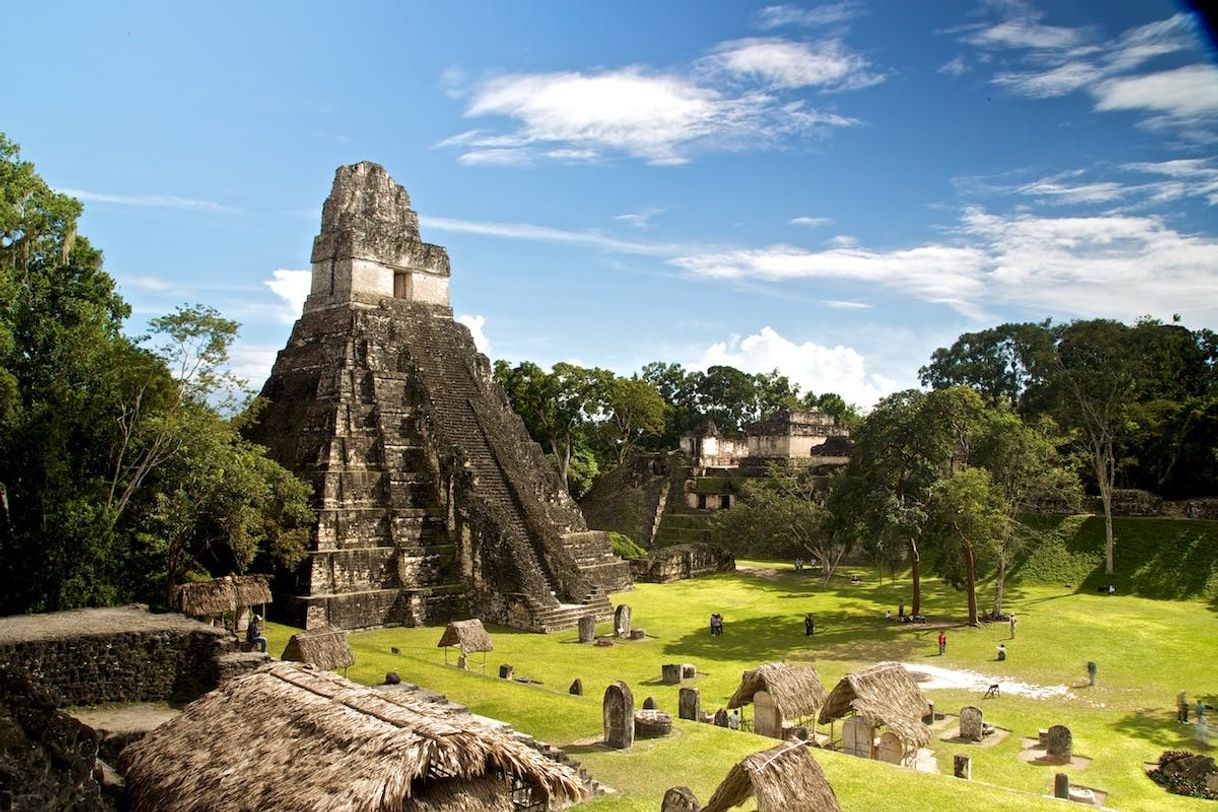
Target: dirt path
938,677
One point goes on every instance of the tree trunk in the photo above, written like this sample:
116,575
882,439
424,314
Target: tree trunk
1103,474
970,581
1000,582
915,567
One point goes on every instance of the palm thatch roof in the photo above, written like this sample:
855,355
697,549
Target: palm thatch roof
884,693
220,595
325,647
795,689
782,778
287,736
468,634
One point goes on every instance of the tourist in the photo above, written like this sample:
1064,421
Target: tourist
253,634
1002,652
854,579
942,643
1202,731
733,721
1111,589
1182,707
712,623
809,625
1013,626
1092,668
888,614
901,611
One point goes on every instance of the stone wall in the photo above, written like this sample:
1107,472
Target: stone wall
681,562
91,656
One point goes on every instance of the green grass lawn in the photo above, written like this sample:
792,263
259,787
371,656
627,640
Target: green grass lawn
1147,650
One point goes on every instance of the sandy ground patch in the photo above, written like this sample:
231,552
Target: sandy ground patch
934,676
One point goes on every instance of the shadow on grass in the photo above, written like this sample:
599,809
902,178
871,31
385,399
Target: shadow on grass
1159,727
838,637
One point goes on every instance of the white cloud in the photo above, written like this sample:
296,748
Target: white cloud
826,14
475,324
252,362
816,368
1184,93
148,201
842,241
292,287
1127,183
941,274
526,231
810,222
151,283
955,68
838,304
639,219
1061,61
495,157
784,63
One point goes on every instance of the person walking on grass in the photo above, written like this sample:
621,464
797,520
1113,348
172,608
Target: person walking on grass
809,625
1092,669
942,643
1013,621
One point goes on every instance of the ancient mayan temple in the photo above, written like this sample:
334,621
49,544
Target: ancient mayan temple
433,502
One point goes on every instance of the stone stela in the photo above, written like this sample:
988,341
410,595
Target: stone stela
432,500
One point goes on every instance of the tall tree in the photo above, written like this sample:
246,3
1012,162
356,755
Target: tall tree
969,518
635,410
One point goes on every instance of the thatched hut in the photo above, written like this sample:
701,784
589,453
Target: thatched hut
289,737
884,695
325,647
782,778
227,594
469,636
780,693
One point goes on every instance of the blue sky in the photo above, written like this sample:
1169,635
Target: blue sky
833,189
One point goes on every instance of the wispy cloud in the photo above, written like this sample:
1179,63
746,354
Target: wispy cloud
783,63
474,323
825,14
743,95
810,222
639,219
292,287
1054,61
956,68
148,201
838,304
1134,186
527,231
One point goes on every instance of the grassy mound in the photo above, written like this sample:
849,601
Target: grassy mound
1172,559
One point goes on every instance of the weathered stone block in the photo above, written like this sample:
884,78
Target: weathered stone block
1059,743
680,799
962,766
587,628
621,621
618,715
652,724
689,703
972,727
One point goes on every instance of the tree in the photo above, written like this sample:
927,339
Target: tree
782,515
635,409
969,518
557,407
1030,473
1091,372
998,363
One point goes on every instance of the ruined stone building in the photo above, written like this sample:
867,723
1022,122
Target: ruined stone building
668,499
433,502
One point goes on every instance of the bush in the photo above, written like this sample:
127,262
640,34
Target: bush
625,547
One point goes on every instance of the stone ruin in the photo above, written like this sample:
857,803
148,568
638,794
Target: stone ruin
618,713
621,621
587,628
680,799
1059,743
689,703
432,500
650,723
972,725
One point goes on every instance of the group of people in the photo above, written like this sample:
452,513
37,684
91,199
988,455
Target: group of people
716,624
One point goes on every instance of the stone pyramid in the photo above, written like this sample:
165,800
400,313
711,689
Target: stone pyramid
433,502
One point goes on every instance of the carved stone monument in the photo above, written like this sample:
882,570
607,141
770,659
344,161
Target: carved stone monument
652,724
1061,786
962,766
670,673
721,717
688,671
577,687
587,628
618,712
689,703
972,727
432,500
649,703
1059,743
505,671
621,621
680,799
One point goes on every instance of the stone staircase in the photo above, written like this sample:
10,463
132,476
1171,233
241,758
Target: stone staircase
556,754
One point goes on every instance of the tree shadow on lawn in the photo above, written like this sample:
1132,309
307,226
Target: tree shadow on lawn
764,639
1160,728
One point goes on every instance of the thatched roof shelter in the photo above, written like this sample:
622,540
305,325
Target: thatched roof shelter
288,737
884,693
782,778
325,647
795,689
468,634
220,595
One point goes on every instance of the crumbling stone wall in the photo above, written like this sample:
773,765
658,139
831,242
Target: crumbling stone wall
681,562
